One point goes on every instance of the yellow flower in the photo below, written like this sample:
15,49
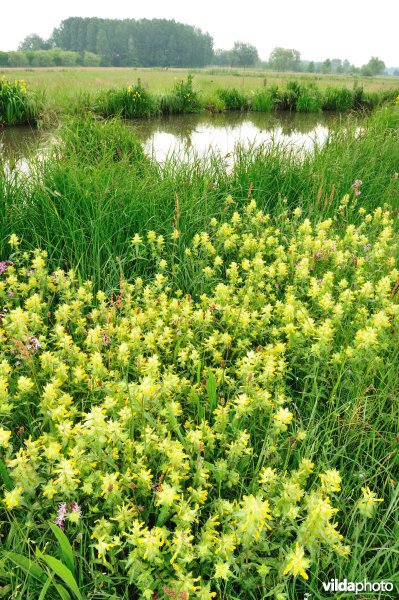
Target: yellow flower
5,435
12,499
331,481
14,240
367,504
222,570
297,563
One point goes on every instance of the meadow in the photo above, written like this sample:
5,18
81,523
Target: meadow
199,368
67,89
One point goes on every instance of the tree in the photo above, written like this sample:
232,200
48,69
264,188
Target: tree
326,66
34,42
375,66
282,59
3,59
222,58
90,59
128,42
244,55
103,48
18,59
311,67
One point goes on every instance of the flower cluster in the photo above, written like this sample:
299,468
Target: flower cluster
166,420
15,102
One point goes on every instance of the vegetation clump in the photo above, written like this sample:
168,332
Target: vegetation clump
17,105
163,436
129,103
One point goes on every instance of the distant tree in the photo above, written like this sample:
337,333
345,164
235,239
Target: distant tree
104,48
129,42
346,65
69,58
336,63
282,59
311,67
375,66
244,55
90,59
3,59
34,42
222,58
395,72
42,58
18,59
327,66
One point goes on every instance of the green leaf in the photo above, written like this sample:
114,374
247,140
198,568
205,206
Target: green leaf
4,477
27,565
211,391
46,587
62,592
62,571
66,548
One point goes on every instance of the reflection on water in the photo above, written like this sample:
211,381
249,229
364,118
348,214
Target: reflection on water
199,133
18,142
191,134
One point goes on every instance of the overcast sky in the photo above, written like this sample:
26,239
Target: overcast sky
353,29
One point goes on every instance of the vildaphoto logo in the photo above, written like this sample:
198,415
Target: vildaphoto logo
359,587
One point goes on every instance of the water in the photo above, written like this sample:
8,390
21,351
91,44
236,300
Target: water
197,134
191,134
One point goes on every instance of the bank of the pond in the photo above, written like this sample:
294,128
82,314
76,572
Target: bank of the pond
84,203
19,105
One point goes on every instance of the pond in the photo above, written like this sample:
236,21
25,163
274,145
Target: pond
194,135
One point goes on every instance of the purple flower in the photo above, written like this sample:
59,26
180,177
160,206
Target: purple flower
62,509
11,294
4,265
75,508
357,183
34,344
357,192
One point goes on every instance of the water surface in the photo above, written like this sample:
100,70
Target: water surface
191,135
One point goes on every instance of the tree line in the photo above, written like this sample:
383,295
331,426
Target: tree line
159,43
129,42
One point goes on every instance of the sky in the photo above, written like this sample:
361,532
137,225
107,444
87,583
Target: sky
352,29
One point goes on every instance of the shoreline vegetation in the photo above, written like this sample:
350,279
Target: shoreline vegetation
21,105
199,368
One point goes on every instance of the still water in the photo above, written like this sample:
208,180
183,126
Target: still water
193,135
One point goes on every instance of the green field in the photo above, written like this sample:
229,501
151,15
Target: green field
62,85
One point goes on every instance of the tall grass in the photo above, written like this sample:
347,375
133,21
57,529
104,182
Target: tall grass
17,105
128,103
96,189
294,96
84,204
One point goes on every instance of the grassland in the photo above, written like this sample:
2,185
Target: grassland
62,86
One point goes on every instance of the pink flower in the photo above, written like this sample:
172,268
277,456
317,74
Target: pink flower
357,183
62,509
75,508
